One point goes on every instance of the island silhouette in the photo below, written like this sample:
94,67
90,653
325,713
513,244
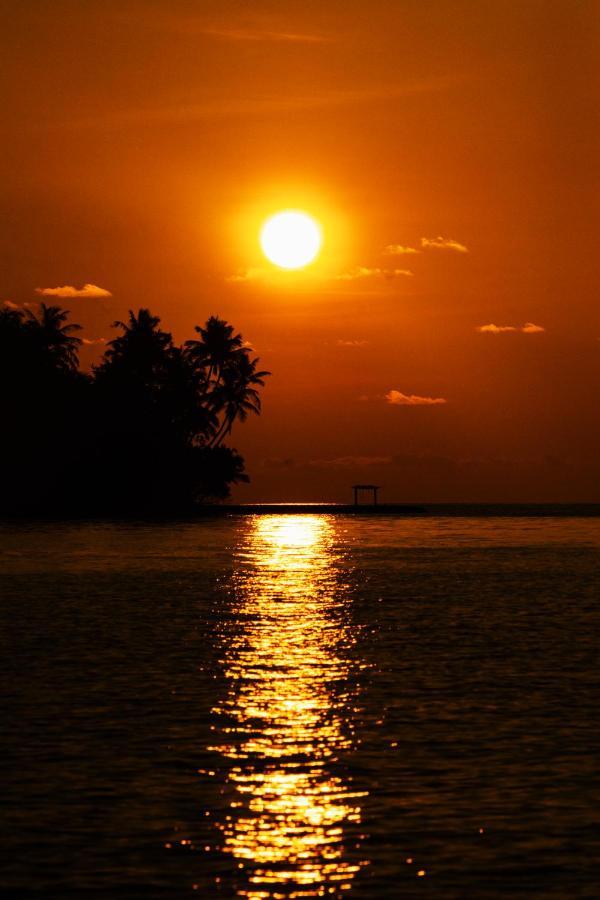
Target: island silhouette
143,433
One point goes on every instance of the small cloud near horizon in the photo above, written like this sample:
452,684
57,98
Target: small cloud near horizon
342,343
346,462
278,462
397,398
67,291
400,250
366,272
246,275
441,243
92,342
10,305
527,328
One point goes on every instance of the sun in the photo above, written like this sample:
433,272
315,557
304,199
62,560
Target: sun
291,239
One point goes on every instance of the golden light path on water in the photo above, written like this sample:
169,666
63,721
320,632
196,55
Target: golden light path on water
286,716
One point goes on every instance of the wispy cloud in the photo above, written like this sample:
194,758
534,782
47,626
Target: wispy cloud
441,243
10,305
92,342
278,462
397,398
234,105
400,250
342,343
67,291
255,35
251,26
252,274
367,272
349,462
527,328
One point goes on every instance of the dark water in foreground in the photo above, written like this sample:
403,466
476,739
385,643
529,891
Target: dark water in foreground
301,706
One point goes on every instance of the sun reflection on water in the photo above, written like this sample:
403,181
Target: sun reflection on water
285,719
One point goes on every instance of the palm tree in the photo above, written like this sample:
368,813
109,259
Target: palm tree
52,337
141,350
182,396
239,394
10,318
12,342
218,347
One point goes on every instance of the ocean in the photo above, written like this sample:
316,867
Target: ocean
297,706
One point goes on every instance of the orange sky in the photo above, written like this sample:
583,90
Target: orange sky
143,142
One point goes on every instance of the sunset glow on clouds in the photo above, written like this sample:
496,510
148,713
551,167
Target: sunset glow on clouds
400,250
68,292
366,272
397,398
31,306
527,328
440,243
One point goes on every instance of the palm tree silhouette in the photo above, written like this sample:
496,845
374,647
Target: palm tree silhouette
10,318
143,432
218,347
238,392
51,337
142,348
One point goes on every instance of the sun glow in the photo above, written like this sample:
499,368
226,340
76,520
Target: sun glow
291,239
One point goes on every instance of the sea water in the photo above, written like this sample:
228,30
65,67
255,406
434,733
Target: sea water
301,706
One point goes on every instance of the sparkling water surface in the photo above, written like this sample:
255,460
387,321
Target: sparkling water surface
301,706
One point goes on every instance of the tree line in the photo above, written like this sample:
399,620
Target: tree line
144,432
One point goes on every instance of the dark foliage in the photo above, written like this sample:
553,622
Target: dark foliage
142,434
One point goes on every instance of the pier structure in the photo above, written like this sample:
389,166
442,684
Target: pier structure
358,488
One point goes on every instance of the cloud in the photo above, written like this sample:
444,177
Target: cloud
527,328
278,462
495,329
220,107
10,305
261,27
342,343
93,342
258,35
348,462
365,272
245,275
400,250
441,243
68,291
397,398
